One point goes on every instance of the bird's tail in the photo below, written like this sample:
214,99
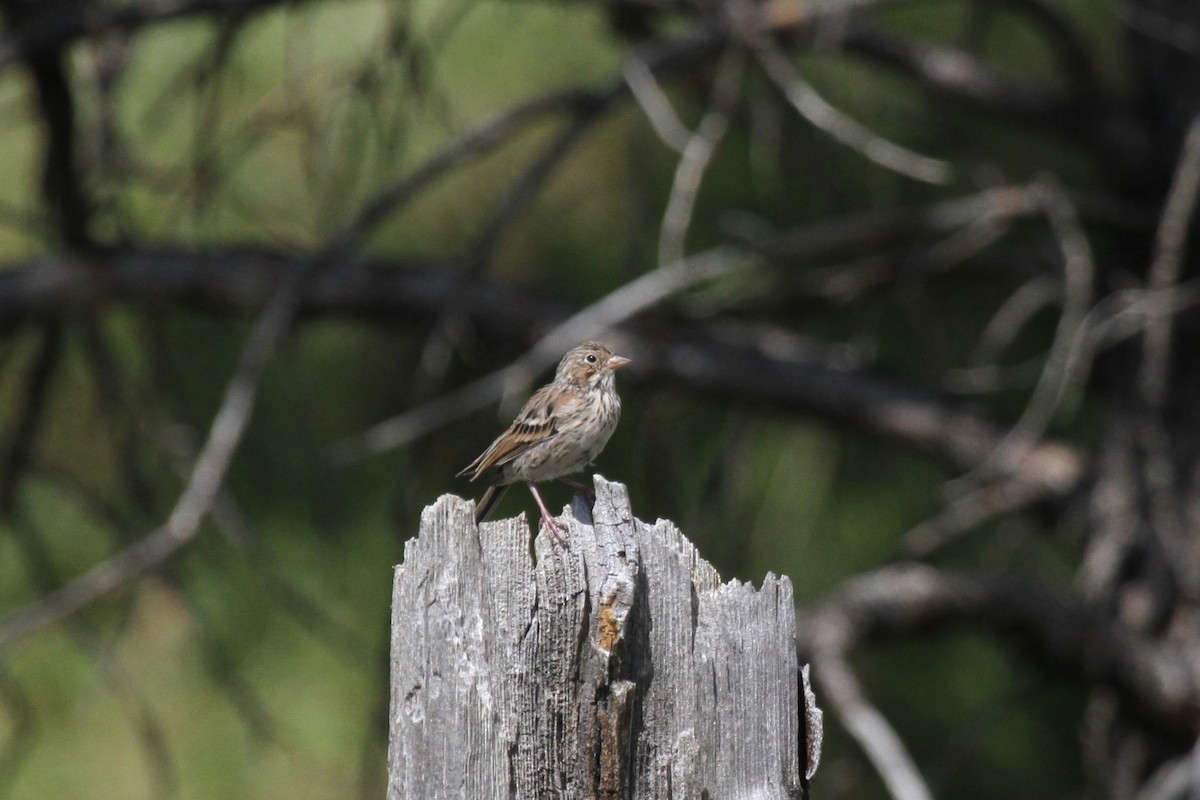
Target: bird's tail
488,502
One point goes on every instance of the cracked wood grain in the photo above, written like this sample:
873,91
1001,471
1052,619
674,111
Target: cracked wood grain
618,666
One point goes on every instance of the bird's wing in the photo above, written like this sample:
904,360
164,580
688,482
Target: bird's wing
533,425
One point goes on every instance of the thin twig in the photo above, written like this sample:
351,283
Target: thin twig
655,104
230,520
874,734
1065,349
1071,48
233,415
1124,314
1158,678
28,420
1120,316
845,698
83,634
696,156
967,512
850,132
181,527
1158,465
475,143
1170,240
1012,316
618,306
436,353
1160,27
954,75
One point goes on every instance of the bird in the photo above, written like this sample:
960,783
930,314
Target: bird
558,431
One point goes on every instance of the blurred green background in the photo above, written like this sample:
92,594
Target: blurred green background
255,666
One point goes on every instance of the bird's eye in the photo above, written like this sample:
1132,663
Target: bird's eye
591,359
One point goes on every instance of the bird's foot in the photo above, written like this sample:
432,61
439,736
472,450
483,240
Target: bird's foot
555,528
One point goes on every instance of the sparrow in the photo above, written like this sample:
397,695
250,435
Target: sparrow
559,431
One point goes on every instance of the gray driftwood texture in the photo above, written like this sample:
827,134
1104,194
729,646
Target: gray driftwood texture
617,666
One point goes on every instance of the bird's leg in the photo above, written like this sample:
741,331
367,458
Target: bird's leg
552,524
588,492
488,502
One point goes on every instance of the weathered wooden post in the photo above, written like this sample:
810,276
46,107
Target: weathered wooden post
617,667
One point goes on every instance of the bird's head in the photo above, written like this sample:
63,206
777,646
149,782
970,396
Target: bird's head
589,365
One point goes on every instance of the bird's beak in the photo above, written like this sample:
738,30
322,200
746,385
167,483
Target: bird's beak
616,362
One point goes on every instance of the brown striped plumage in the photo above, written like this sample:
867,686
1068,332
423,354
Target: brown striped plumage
559,431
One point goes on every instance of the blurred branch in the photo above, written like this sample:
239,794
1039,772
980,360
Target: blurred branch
837,124
744,366
1166,499
54,27
613,309
62,185
1016,312
971,509
233,416
450,318
955,75
208,473
242,279
150,732
790,373
478,141
655,105
1065,40
695,157
223,281
17,453
1122,143
1067,636
1177,217
872,731
1062,362
1177,779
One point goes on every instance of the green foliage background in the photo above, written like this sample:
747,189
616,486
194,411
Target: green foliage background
200,683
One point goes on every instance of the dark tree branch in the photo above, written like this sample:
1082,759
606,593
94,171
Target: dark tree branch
49,29
86,638
1120,142
954,74
1069,637
241,279
785,375
1068,43
471,145
793,375
284,302
18,451
450,317
1137,541
62,186
225,434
